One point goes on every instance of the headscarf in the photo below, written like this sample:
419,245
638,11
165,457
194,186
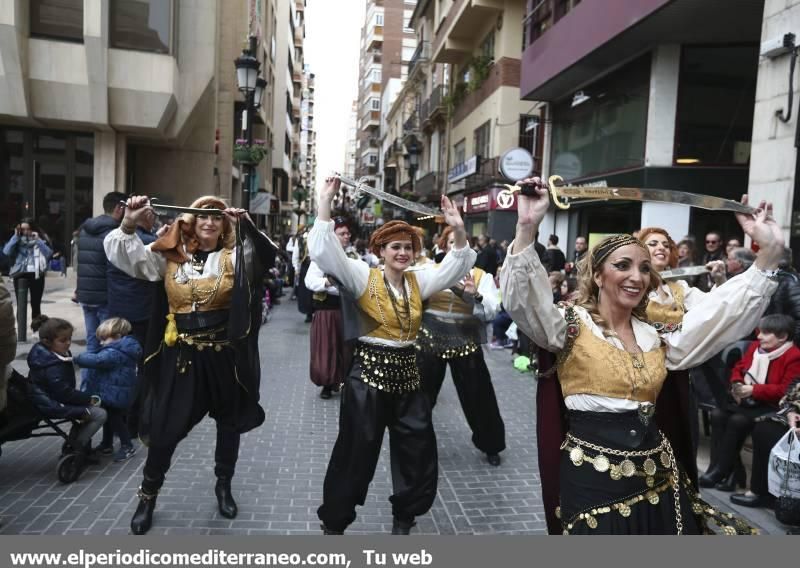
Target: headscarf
395,231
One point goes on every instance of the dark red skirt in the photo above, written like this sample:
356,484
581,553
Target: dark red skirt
330,358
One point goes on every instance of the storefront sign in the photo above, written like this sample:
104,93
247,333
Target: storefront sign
464,169
505,200
477,202
516,164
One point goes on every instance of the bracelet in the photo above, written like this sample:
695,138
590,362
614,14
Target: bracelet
127,228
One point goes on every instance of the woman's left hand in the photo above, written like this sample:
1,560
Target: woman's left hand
234,214
451,215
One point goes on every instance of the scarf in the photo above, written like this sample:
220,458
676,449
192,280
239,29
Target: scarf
757,373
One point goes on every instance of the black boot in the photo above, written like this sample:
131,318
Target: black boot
493,459
330,532
736,478
227,506
402,526
325,392
143,517
711,477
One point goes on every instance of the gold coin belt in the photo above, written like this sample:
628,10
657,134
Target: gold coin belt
388,371
447,347
200,342
626,468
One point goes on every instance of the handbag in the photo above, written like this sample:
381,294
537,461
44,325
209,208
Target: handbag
787,506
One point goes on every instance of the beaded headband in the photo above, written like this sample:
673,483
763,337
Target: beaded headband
610,244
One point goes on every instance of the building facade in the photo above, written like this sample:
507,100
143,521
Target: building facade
668,94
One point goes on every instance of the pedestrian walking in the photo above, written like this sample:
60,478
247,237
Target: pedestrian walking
29,254
619,475
111,374
202,353
452,334
382,389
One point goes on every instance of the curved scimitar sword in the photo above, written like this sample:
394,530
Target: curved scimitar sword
391,198
559,191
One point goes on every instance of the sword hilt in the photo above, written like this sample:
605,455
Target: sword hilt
552,187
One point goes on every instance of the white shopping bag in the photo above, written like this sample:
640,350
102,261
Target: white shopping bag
511,332
784,467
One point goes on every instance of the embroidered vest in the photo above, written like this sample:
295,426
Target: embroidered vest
376,304
591,365
447,301
667,317
200,291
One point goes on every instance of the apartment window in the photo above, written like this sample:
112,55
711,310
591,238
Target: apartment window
376,75
481,140
144,25
460,152
58,19
375,103
287,145
487,47
407,21
378,19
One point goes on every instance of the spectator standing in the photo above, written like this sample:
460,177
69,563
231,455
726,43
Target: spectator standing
8,341
580,250
554,259
92,291
487,256
713,251
731,244
786,299
29,253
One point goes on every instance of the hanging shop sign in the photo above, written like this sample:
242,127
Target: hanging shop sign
516,164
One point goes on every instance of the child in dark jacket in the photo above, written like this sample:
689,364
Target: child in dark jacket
51,384
111,372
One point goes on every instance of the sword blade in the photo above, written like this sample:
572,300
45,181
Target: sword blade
681,272
177,209
394,199
656,195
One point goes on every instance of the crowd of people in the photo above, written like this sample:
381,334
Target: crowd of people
172,312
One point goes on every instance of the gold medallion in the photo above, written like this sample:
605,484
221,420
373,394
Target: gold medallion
665,461
624,510
653,497
565,532
591,521
558,512
651,481
601,463
649,467
697,508
627,467
576,456
615,472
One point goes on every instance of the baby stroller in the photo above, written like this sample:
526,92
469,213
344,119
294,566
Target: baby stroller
22,420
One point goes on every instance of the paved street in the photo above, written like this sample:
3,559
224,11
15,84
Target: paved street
282,464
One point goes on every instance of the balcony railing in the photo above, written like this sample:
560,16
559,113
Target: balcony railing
545,14
421,55
429,185
435,105
411,125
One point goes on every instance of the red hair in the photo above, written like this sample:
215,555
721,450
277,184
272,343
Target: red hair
673,248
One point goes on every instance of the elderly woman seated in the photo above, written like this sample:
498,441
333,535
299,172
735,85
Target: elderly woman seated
758,381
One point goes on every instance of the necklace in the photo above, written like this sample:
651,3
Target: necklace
406,309
202,296
637,361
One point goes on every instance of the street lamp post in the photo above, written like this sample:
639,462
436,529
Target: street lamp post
252,87
412,159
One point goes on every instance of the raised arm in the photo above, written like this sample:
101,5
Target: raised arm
125,249
326,250
524,287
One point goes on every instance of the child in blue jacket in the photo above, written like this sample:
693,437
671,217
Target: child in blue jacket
111,373
51,385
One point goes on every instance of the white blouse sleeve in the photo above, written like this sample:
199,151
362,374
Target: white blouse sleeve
454,267
129,254
491,296
326,250
528,299
721,317
691,295
316,280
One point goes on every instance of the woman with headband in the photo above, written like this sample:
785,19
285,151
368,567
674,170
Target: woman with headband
619,474
382,389
202,358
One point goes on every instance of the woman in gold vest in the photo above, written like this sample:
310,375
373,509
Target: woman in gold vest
619,474
382,389
201,353
453,330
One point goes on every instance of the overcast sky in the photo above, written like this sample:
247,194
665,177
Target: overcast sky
333,29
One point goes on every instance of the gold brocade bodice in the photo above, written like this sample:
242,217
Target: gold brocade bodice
376,303
594,366
667,317
446,301
200,294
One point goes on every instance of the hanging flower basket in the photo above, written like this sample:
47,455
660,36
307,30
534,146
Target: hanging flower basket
249,154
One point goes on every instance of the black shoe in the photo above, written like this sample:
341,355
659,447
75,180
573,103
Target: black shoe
753,500
227,506
736,478
795,530
143,517
330,532
325,393
308,318
493,459
402,526
711,477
